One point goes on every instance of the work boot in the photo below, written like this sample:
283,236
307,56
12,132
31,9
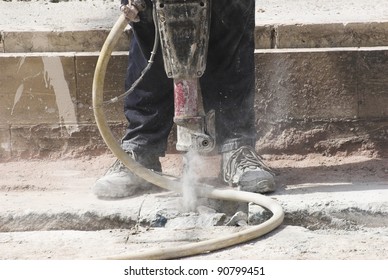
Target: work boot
120,182
244,169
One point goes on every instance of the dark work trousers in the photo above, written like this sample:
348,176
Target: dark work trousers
228,84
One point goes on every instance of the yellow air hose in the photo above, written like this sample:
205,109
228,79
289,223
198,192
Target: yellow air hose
246,234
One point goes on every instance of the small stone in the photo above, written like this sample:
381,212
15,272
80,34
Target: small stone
238,219
159,221
205,210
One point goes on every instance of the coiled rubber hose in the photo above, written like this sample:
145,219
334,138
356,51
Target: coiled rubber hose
247,234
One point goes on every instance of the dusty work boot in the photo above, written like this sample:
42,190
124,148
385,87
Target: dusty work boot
244,169
120,182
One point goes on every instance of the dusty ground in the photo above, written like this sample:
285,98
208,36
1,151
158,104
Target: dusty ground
336,208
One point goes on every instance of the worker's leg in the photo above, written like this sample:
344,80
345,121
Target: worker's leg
228,86
149,110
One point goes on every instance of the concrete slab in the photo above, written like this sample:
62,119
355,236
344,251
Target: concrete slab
331,35
322,83
372,85
85,64
56,87
307,83
60,41
38,88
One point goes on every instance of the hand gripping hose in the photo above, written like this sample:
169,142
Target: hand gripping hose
247,234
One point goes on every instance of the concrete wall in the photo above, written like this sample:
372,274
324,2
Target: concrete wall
45,92
317,91
322,100
322,88
47,98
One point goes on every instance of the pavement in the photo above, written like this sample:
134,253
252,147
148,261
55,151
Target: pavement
335,208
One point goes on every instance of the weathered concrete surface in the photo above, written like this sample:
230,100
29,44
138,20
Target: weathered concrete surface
331,35
70,15
56,87
314,83
47,97
55,141
85,64
60,41
5,142
307,83
347,83
336,208
38,89
322,100
315,94
321,35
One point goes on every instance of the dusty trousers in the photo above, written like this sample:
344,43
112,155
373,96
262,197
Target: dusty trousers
228,84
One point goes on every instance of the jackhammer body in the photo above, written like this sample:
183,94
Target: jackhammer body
184,35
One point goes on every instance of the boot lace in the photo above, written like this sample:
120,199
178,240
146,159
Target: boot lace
243,157
118,166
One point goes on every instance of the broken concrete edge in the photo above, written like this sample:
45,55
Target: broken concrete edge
109,214
314,214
